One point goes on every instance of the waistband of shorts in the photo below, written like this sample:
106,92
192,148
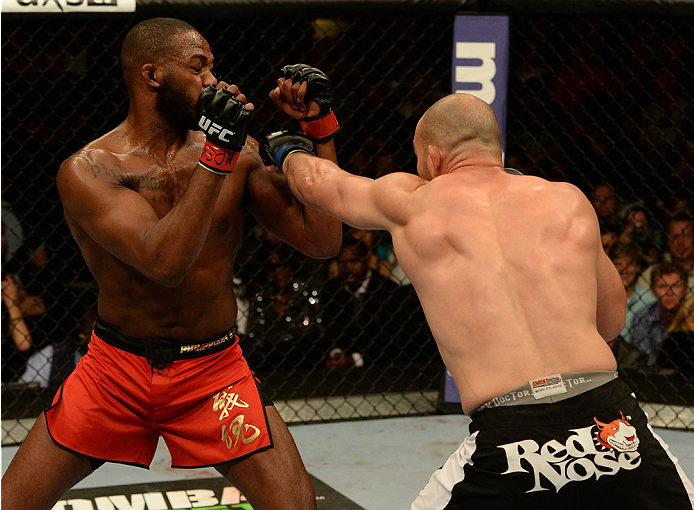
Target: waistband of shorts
160,352
551,389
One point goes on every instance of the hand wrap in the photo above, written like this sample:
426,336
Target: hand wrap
224,120
323,126
275,147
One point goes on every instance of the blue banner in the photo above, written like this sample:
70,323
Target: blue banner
480,68
480,61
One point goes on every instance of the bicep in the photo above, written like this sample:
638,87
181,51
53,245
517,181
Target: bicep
359,201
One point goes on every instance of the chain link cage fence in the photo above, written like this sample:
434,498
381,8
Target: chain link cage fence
602,101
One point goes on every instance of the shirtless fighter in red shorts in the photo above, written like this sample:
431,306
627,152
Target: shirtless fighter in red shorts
156,208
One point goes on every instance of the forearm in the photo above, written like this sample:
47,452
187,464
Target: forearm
19,331
311,180
326,230
171,245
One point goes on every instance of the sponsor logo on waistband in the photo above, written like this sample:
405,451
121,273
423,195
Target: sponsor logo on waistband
206,345
547,386
598,450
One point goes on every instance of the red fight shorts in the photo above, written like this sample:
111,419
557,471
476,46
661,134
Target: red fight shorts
114,407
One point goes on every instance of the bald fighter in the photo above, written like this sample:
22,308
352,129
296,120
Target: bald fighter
521,299
156,206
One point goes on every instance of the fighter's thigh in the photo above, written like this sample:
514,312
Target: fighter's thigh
275,478
41,471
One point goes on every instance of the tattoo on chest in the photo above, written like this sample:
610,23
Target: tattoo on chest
136,182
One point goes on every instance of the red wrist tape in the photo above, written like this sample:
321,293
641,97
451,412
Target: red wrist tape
218,160
320,129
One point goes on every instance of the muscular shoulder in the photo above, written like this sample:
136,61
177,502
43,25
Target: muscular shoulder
570,196
106,165
561,195
395,195
87,160
92,164
398,186
402,181
107,149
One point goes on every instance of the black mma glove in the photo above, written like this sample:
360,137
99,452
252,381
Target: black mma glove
323,126
225,122
513,171
275,147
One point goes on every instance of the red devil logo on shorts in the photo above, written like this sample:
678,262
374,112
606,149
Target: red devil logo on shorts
618,435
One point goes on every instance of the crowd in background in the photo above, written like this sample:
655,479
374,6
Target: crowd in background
590,98
654,254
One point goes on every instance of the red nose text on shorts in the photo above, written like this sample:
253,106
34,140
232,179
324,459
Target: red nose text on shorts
579,459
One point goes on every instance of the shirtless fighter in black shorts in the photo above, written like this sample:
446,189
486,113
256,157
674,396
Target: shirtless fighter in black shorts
521,299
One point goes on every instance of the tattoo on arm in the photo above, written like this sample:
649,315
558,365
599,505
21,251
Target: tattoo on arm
136,182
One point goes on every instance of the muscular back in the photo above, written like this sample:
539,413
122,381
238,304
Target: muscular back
508,272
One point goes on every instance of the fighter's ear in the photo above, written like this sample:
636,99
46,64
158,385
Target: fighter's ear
152,74
435,159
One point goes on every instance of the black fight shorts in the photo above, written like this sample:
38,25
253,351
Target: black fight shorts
594,450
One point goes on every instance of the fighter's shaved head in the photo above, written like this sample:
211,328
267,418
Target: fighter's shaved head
149,41
456,119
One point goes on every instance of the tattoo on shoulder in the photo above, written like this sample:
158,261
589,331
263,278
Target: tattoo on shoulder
135,182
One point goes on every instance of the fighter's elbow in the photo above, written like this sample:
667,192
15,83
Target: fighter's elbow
167,275
333,249
171,282
328,247
306,189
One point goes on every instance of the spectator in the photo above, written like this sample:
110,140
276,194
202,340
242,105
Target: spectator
679,244
371,319
680,204
19,251
677,349
32,268
13,233
17,306
680,241
650,324
629,261
382,256
608,237
606,204
349,298
379,254
638,229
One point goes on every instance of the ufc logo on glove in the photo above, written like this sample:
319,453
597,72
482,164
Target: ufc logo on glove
211,128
